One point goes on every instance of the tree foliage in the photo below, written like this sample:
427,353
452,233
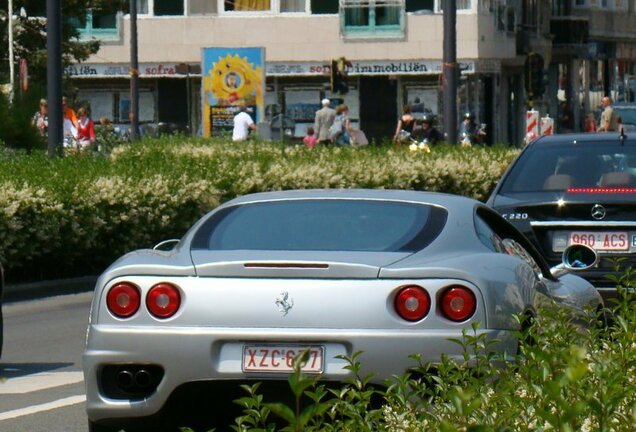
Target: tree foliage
30,33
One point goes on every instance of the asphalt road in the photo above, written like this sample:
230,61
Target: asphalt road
41,383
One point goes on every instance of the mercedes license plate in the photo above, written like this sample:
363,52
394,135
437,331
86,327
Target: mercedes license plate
601,241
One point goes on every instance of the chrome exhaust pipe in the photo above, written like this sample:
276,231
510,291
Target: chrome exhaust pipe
125,379
143,378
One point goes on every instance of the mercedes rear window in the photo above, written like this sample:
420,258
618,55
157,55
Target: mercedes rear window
567,166
322,225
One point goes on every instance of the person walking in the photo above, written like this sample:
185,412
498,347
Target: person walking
41,118
343,138
405,125
323,120
609,119
243,123
69,113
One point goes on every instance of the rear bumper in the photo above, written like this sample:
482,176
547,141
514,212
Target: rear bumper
189,355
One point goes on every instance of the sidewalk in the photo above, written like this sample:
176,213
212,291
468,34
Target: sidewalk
34,290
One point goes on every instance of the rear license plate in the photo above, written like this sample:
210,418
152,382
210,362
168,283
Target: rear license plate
602,241
279,358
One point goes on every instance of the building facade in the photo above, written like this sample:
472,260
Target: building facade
394,48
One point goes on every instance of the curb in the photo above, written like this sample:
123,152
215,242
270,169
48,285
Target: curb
50,288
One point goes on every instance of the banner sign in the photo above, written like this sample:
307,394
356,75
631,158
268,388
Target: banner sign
381,67
232,77
399,67
113,70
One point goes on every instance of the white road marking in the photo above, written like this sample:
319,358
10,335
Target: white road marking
39,381
71,400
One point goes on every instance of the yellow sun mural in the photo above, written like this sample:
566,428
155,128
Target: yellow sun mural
234,80
230,81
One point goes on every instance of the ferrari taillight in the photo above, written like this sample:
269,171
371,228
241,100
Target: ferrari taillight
163,300
412,303
123,299
458,303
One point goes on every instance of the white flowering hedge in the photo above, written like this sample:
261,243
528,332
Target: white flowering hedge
76,214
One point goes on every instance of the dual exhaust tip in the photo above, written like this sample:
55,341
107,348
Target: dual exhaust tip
134,380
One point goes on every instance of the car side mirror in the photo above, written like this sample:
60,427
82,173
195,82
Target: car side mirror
166,245
575,258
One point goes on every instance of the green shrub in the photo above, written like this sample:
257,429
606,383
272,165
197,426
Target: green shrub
74,215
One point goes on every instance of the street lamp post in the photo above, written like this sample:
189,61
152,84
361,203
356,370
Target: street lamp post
450,71
54,75
11,60
134,74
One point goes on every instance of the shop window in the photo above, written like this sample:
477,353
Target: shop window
324,6
168,7
370,19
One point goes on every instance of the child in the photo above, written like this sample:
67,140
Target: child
590,123
310,139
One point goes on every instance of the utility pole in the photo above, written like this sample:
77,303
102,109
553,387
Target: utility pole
134,73
11,60
450,71
54,76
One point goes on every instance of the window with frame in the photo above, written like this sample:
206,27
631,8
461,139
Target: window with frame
276,6
372,18
529,14
324,7
199,7
459,4
103,20
168,7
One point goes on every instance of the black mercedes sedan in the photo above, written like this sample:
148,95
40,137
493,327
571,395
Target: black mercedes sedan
575,188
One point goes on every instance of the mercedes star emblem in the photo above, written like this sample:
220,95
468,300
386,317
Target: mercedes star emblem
598,212
284,303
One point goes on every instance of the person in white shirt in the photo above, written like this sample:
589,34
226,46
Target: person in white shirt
242,124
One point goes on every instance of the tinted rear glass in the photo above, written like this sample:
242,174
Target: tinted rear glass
322,225
563,166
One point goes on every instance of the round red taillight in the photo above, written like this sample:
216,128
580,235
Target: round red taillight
123,299
458,303
163,300
412,303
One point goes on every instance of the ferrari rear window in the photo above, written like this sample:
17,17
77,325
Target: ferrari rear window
322,225
602,165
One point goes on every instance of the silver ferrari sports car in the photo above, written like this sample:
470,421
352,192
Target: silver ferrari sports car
265,277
